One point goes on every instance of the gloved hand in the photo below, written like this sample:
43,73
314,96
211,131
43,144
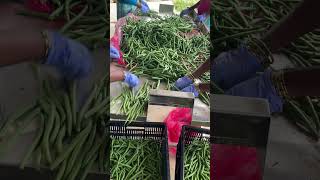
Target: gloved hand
201,18
191,88
185,12
131,79
183,82
232,67
114,53
259,87
144,7
71,58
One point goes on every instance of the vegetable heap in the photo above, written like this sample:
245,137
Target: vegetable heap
135,159
239,21
68,141
197,160
159,48
84,21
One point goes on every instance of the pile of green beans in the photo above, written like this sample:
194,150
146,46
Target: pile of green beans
237,21
135,159
159,49
197,160
68,141
85,21
134,104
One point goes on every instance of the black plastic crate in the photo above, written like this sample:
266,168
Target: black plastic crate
188,134
144,130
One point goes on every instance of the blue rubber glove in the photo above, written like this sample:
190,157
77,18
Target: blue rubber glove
183,82
259,87
191,88
114,53
185,12
131,79
71,58
233,67
201,18
144,7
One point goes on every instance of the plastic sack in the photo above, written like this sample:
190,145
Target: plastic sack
174,121
230,162
37,5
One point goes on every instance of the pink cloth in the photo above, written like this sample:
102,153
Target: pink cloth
230,162
204,7
174,122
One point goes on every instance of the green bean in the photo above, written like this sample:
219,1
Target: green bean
14,117
74,102
61,171
34,144
86,106
55,130
66,26
69,114
61,135
71,146
88,167
48,129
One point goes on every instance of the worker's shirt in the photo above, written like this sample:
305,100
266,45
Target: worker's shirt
131,2
204,7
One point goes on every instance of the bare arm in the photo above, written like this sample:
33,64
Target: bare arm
302,82
303,19
201,69
20,46
204,87
116,73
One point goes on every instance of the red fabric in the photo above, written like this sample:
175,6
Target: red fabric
174,121
204,7
231,162
115,43
37,5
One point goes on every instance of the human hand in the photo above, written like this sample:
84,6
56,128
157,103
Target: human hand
114,53
259,87
233,67
71,58
131,79
183,82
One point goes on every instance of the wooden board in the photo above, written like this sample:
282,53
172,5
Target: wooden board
157,113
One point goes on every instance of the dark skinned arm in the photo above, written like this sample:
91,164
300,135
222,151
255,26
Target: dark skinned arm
303,19
116,72
17,47
204,87
302,82
204,67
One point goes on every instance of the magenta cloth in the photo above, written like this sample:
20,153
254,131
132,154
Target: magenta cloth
174,121
37,5
204,7
231,162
